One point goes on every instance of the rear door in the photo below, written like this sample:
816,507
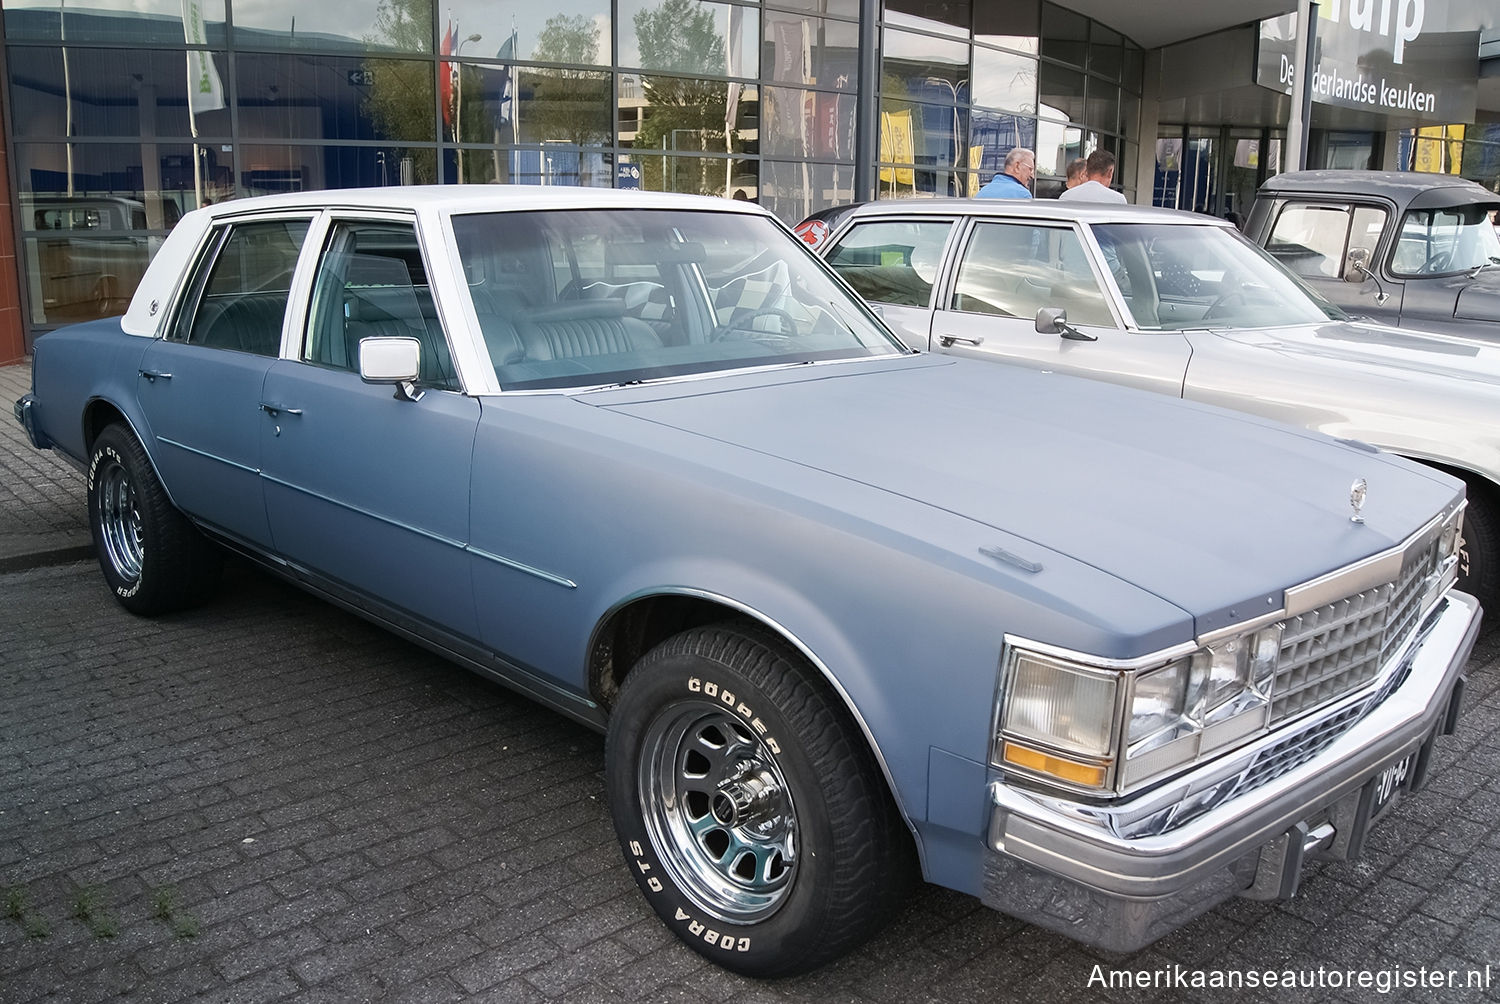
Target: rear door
1007,270
895,265
200,384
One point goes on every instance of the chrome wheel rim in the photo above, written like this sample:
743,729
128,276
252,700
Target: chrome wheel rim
719,812
120,522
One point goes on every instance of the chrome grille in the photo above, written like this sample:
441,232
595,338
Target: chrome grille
1341,646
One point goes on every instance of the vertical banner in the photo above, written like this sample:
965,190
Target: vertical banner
976,157
205,90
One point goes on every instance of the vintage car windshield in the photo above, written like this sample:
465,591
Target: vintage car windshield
584,298
1441,241
1175,277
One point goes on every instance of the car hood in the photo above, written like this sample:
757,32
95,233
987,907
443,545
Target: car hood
1205,508
1465,364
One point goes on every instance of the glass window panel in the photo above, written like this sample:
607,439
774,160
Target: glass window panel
136,22
993,135
803,123
1134,68
1013,25
296,96
1061,93
559,31
1103,108
548,164
360,25
1014,270
1065,35
1004,80
683,114
109,90
250,279
794,191
689,36
925,149
269,168
951,17
924,66
1130,114
811,50
501,105
841,8
1056,145
1106,51
157,175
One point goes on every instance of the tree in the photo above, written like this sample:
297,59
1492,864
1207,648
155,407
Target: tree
680,35
400,101
567,104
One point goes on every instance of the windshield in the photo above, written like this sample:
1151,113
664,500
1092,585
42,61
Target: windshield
1174,277
584,298
1438,241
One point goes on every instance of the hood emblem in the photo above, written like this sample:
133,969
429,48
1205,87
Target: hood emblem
1357,499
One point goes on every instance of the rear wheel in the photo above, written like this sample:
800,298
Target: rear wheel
749,807
152,557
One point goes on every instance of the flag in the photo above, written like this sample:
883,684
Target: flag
506,109
205,89
445,75
732,67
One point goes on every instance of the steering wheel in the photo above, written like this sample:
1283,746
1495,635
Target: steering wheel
742,329
1235,295
1441,261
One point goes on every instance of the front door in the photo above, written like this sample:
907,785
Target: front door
1319,241
1010,270
366,491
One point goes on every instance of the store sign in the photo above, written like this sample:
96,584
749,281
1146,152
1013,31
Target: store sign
1411,60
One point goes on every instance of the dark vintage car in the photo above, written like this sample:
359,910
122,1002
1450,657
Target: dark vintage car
1405,248
848,613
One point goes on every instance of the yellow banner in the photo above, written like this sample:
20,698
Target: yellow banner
1439,149
896,146
976,156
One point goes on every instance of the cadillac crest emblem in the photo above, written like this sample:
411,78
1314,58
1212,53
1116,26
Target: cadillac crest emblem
1357,499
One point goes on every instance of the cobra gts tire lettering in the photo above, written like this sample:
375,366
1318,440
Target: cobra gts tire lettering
698,929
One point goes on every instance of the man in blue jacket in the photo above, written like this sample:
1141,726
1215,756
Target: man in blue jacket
1014,179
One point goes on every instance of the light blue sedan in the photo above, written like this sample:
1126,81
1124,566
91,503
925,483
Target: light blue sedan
848,613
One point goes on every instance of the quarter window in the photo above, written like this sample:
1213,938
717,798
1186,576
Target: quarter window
892,262
1015,269
240,295
372,284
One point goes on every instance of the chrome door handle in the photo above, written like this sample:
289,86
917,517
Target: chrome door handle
947,340
155,375
275,409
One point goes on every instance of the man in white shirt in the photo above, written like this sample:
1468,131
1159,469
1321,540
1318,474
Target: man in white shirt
1101,172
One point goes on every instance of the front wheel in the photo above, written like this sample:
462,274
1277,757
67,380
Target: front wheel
1479,556
153,559
749,807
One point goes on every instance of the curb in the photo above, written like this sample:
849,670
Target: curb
43,559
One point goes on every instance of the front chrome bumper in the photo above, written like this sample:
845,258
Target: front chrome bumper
1075,868
25,412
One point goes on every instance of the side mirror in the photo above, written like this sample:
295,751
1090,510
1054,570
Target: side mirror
1054,321
1357,265
394,361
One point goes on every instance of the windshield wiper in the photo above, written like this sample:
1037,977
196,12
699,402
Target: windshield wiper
1490,263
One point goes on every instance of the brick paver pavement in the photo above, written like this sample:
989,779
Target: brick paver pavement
266,799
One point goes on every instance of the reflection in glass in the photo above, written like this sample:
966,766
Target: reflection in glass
1061,93
1102,110
270,168
135,22
1106,52
1014,25
296,96
794,191
809,50
993,135
1065,35
109,88
1056,145
924,65
690,36
949,17
558,31
520,104
1004,80
840,8
360,25
804,123
680,117
925,149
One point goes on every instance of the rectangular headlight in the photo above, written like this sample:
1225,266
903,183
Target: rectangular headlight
1066,707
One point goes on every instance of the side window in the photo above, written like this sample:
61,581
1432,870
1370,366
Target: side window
372,284
1311,240
892,262
239,295
1369,224
1014,270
